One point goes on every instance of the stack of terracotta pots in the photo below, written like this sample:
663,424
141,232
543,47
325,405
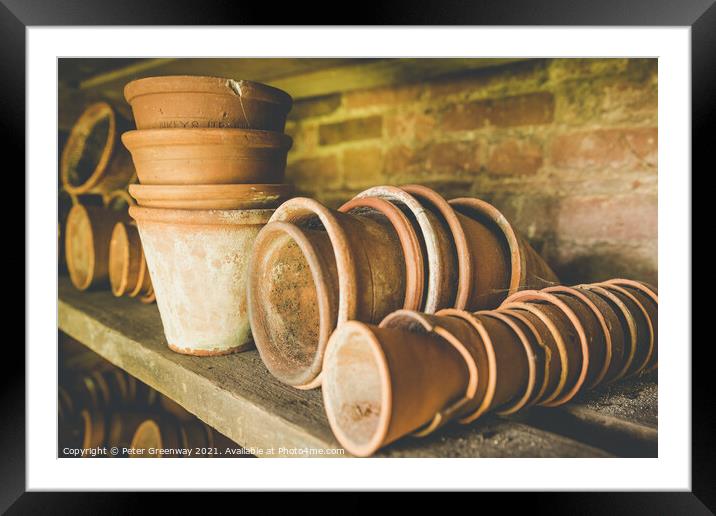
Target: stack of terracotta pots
313,268
210,155
414,372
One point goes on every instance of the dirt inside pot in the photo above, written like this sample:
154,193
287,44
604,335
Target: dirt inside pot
357,398
86,155
289,308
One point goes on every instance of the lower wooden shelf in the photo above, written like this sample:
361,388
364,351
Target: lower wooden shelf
237,396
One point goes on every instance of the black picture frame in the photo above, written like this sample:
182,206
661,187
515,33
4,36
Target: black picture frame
700,15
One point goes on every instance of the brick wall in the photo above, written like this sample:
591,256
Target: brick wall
566,148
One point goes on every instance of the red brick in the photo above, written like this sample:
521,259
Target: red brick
363,167
351,130
515,157
624,149
529,109
314,173
625,218
414,125
453,156
382,96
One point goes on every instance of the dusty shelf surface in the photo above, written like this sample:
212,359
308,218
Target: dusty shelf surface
237,396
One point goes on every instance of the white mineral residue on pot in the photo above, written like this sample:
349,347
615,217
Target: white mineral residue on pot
200,275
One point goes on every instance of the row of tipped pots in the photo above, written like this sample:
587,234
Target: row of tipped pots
415,372
208,143
388,248
102,248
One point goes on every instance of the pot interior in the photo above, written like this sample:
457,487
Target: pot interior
289,308
356,391
87,148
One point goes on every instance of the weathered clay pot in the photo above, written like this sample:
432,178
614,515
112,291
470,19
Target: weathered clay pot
547,363
627,325
598,335
383,383
293,299
211,197
125,258
645,330
573,343
441,269
88,232
467,342
208,156
93,160
198,262
386,212
503,361
482,256
185,101
649,298
527,268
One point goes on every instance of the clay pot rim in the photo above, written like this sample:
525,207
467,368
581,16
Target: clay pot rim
540,342
633,298
517,265
557,289
147,423
628,317
531,361
200,217
80,131
309,376
465,263
558,339
537,295
456,408
644,287
299,207
428,234
119,289
143,271
207,84
149,297
374,346
414,263
80,211
232,138
491,360
205,192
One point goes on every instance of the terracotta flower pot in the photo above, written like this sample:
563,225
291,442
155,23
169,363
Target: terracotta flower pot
649,298
377,388
122,427
645,329
387,213
482,256
467,342
441,269
208,156
597,330
93,161
88,232
198,262
575,350
157,433
94,429
211,197
527,268
503,361
370,282
185,101
293,299
627,325
547,364
125,259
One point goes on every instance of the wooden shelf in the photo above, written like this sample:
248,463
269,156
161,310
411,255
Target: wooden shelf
236,395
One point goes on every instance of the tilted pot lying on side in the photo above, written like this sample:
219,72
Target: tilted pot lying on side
88,233
198,262
185,101
208,156
94,160
312,267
